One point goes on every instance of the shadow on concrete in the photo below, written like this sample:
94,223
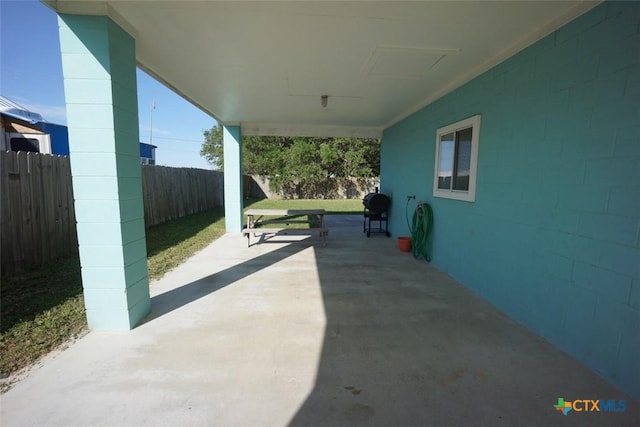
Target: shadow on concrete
406,345
174,299
350,334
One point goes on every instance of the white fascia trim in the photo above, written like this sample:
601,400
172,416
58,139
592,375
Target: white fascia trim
174,89
94,8
290,129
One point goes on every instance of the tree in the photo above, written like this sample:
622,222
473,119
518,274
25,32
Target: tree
300,166
212,147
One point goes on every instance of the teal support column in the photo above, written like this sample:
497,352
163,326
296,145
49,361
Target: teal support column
99,67
232,178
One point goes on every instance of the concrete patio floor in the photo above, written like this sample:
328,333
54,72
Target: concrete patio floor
290,332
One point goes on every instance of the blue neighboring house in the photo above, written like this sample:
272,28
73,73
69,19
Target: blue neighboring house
147,154
25,130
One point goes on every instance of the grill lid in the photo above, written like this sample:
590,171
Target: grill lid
376,202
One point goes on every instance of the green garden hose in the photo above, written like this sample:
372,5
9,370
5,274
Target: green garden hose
420,227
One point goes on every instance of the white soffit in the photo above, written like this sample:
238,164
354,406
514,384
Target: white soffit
266,64
404,62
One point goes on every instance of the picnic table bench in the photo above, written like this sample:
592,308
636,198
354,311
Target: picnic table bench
256,221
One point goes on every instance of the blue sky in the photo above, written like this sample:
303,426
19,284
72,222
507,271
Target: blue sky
31,75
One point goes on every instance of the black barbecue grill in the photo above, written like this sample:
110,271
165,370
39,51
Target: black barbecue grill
376,209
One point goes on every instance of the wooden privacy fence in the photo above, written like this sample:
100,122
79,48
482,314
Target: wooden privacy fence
38,222
37,218
171,193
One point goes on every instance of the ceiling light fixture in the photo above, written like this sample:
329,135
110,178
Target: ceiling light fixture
323,100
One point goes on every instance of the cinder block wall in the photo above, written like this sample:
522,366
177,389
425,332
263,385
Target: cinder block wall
553,238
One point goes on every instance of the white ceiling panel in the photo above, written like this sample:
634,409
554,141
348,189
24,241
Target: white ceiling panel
265,65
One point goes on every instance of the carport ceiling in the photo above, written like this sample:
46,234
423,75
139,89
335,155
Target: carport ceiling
265,65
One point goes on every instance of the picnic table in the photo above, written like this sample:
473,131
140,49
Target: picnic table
257,219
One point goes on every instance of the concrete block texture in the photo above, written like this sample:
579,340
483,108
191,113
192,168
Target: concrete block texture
99,67
557,186
233,179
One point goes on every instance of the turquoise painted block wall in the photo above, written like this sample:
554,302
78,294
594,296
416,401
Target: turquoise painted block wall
232,145
99,67
553,238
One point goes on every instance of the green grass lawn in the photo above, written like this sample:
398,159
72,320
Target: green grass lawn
332,206
171,243
44,308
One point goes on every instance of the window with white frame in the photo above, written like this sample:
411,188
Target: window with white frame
456,160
